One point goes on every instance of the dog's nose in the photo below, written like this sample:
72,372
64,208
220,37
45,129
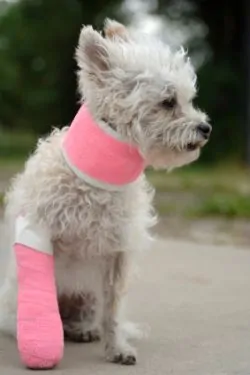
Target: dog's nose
204,129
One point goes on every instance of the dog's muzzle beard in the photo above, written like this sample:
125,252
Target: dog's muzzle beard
201,134
183,138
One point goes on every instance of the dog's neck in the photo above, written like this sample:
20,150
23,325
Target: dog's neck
96,153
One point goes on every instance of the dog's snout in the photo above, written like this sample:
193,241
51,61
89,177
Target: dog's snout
204,129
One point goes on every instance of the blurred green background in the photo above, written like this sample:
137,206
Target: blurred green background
38,89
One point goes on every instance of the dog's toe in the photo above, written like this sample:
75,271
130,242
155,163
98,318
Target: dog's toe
128,360
124,359
83,337
90,336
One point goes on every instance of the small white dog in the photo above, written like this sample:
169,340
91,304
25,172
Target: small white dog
142,92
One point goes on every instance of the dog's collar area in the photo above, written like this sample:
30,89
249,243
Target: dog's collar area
97,155
109,124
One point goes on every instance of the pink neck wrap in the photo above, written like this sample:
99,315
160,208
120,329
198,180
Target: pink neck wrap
95,153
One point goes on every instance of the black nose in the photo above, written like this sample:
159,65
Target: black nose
205,130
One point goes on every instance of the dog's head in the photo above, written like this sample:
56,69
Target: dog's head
145,91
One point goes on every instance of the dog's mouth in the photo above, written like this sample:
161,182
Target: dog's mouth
192,146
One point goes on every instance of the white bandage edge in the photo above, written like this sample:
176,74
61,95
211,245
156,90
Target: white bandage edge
32,235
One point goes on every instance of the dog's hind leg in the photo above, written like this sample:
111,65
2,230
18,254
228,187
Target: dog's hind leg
78,313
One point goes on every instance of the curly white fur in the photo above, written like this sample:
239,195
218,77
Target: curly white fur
96,233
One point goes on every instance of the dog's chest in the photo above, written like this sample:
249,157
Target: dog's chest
74,276
99,225
87,222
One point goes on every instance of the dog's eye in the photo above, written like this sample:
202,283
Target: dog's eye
169,103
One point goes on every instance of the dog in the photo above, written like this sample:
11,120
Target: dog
140,91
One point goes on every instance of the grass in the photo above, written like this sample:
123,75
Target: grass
221,179
226,205
201,192
192,191
15,146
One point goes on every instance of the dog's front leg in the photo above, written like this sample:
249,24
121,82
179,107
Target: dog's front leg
39,326
117,348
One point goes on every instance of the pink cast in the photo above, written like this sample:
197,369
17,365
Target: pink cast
39,326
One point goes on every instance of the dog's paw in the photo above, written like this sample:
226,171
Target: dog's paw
123,357
83,337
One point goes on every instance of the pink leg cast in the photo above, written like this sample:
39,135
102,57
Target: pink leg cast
39,326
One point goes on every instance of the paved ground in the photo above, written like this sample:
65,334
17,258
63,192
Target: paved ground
196,300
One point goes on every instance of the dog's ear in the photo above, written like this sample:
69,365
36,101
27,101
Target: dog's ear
115,30
92,51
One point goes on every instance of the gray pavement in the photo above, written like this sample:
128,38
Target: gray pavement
196,300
